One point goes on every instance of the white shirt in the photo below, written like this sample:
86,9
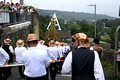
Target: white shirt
42,47
21,11
31,10
35,62
63,49
60,51
11,49
53,52
98,70
3,56
14,8
67,48
18,53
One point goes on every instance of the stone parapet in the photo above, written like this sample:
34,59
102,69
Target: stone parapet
15,32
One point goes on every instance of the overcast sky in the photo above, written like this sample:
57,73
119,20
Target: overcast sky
108,7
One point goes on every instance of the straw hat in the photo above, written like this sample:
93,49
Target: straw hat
57,43
20,43
7,40
52,42
41,42
32,37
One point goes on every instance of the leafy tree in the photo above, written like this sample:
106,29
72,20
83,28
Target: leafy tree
43,22
112,31
74,30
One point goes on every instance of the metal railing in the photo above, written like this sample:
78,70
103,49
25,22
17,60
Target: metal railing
116,48
9,18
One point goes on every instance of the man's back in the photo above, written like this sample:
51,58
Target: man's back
35,62
83,64
53,52
6,48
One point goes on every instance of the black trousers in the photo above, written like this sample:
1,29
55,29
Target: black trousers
36,78
21,70
118,66
47,74
53,71
4,73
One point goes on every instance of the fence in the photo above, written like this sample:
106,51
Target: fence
4,17
8,18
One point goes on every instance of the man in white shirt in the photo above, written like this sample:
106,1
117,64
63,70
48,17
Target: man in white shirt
61,58
35,61
41,45
4,57
9,49
18,52
53,53
84,63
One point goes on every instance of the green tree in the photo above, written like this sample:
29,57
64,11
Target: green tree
43,22
111,32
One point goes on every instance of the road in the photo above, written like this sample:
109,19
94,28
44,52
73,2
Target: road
15,75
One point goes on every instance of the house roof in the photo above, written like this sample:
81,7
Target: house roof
101,42
65,34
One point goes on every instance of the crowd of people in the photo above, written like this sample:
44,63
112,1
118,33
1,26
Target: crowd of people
41,60
17,12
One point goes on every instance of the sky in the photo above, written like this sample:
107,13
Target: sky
108,7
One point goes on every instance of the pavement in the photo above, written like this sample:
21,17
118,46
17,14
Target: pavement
15,75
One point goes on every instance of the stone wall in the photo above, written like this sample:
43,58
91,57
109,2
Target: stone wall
15,32
20,31
35,23
108,55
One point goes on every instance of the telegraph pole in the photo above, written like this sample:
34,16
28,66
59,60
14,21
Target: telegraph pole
95,19
21,2
4,2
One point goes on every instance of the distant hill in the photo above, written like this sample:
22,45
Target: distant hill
74,15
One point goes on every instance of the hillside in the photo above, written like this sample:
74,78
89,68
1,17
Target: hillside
73,15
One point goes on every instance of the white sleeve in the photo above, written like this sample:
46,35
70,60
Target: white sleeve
67,65
24,59
60,52
15,9
4,53
69,47
98,70
25,48
15,50
50,55
47,61
11,49
91,48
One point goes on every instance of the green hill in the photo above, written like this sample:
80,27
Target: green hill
73,15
